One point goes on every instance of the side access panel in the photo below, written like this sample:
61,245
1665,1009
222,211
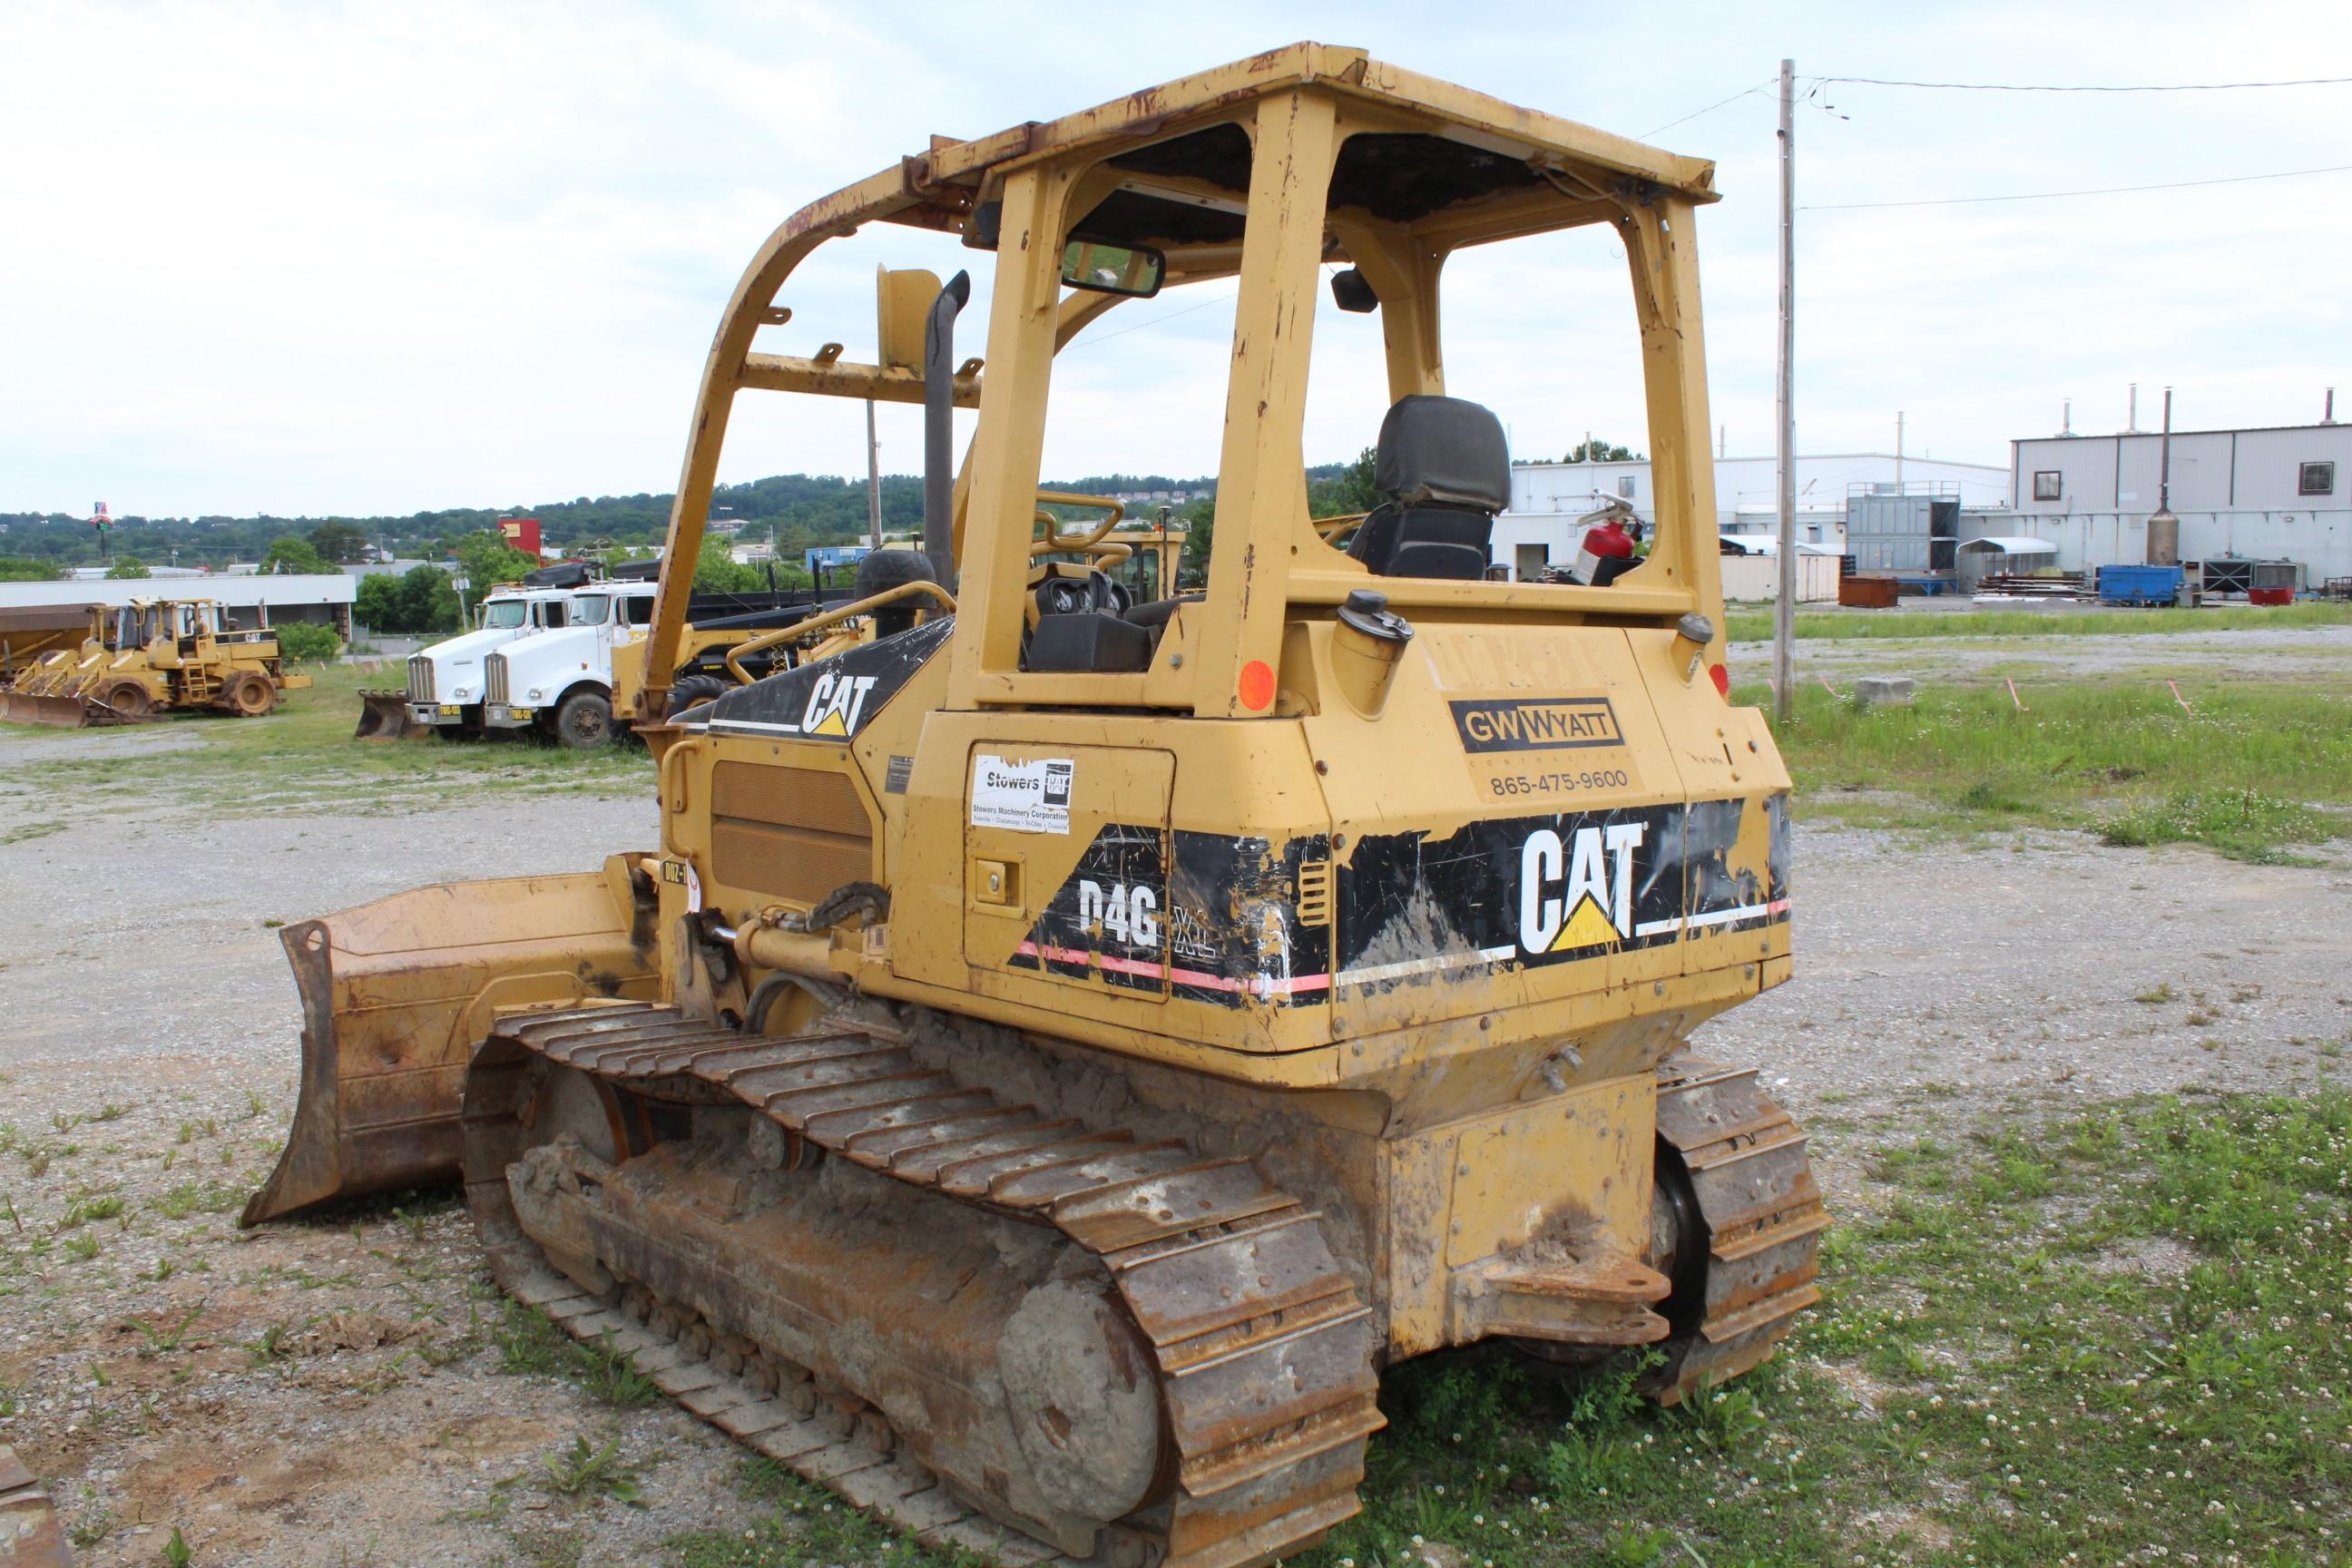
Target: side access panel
1066,866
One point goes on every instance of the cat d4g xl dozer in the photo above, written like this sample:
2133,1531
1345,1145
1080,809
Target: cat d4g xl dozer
1062,1047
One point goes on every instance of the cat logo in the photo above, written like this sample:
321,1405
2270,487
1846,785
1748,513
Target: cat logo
835,703
1577,892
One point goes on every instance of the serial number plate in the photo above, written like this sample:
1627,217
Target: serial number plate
1507,784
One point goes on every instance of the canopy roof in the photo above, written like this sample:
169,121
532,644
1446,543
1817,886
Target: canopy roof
1423,152
2012,544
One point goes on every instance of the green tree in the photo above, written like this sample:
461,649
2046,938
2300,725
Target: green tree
428,603
1592,451
1354,489
340,543
1201,527
128,566
292,555
489,560
717,572
25,569
377,606
308,639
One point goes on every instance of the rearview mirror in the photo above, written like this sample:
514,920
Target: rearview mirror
1132,270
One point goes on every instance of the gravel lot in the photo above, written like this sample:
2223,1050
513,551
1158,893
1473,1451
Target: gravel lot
2288,653
330,1393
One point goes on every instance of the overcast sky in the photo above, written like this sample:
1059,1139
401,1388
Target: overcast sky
311,258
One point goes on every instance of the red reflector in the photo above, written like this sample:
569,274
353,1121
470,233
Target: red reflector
1722,677
1257,684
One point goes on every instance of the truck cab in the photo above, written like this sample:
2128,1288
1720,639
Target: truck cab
558,680
446,681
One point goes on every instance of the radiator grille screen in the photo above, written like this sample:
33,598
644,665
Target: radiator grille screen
420,678
794,832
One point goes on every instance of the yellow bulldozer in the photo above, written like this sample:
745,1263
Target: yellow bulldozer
1063,1045
142,659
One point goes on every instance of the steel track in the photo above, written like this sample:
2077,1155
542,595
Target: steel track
1263,1346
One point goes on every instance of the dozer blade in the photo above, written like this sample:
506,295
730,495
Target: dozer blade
384,716
30,707
397,994
29,1536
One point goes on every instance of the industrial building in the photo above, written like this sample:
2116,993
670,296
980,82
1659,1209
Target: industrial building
246,601
1546,498
2283,493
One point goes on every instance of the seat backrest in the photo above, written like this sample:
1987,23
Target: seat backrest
1445,470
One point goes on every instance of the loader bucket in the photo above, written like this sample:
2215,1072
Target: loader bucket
384,716
397,994
31,708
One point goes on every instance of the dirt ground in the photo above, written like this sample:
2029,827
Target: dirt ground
330,1393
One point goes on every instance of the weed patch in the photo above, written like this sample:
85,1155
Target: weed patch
2247,769
2245,825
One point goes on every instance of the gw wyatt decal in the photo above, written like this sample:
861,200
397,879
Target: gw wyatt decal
831,700
1549,724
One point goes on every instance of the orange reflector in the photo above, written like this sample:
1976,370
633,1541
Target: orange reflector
1257,684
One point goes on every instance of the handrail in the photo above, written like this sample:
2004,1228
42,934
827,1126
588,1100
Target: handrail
800,629
1055,544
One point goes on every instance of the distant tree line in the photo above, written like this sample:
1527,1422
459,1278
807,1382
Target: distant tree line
796,511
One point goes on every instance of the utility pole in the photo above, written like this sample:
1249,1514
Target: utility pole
1898,451
873,481
1784,613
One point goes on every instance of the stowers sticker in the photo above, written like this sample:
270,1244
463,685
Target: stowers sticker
1027,797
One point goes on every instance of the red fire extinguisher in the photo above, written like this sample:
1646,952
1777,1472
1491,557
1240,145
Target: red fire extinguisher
1608,553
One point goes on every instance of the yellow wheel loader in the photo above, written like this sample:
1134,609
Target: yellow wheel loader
149,656
1063,1045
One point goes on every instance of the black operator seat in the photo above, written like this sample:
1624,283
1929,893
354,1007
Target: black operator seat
1444,471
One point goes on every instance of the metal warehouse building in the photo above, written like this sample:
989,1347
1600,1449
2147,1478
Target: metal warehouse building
1547,498
2278,493
245,601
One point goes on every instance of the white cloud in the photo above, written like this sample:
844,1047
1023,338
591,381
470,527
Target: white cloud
360,259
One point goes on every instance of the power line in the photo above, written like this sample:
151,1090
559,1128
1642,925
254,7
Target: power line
2008,87
2101,191
1154,321
1757,91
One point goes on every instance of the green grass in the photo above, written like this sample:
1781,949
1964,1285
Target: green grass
2241,770
2041,1342
529,1343
303,755
795,1523
1756,625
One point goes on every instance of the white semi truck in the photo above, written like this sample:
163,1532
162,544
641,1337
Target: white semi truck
445,681
559,681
